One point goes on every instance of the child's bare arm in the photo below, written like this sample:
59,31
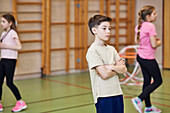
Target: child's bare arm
119,67
104,73
155,42
17,47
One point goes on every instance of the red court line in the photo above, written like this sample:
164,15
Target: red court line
83,87
161,104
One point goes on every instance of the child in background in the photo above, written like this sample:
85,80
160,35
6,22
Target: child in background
9,45
148,41
104,65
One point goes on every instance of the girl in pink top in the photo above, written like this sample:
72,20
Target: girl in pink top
146,37
9,45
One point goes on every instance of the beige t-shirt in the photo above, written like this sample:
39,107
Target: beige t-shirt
99,55
9,40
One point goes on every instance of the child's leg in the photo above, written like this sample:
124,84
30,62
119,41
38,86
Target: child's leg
118,104
10,69
146,82
2,75
151,67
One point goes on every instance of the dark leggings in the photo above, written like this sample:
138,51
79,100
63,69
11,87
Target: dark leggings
7,68
150,70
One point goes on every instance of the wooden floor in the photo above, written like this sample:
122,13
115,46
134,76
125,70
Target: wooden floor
72,94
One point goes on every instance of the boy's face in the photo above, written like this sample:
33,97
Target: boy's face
103,31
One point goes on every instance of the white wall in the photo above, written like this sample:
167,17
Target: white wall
158,4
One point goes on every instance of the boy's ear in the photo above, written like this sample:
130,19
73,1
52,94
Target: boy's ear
94,30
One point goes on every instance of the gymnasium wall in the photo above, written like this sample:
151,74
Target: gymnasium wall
28,62
31,62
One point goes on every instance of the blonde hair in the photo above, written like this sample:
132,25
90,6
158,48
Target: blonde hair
146,10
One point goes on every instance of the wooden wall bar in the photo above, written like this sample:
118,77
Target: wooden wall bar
74,36
14,9
101,6
85,32
43,36
67,54
76,60
166,42
48,39
117,24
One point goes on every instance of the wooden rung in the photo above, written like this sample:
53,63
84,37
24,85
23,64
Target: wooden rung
124,11
29,3
120,20
121,27
30,21
5,12
21,12
121,44
30,31
113,36
61,49
112,3
58,23
64,23
93,11
30,41
30,51
121,3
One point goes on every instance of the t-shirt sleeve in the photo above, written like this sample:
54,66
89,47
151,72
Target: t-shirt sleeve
14,35
136,29
152,30
93,59
116,55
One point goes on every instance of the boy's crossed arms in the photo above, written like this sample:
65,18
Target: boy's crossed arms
107,71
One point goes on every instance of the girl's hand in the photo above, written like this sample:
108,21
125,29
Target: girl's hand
158,41
2,45
120,62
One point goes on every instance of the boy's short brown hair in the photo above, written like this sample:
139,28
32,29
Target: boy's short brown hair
96,21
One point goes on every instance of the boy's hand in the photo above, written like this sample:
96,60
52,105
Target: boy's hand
108,67
120,62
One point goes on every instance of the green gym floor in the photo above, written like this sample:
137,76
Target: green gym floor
72,94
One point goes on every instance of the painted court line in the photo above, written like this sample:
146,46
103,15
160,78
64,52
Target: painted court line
69,84
83,87
72,107
51,99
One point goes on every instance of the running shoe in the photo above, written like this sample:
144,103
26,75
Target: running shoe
1,109
137,104
19,106
152,109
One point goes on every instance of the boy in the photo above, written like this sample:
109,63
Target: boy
104,65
